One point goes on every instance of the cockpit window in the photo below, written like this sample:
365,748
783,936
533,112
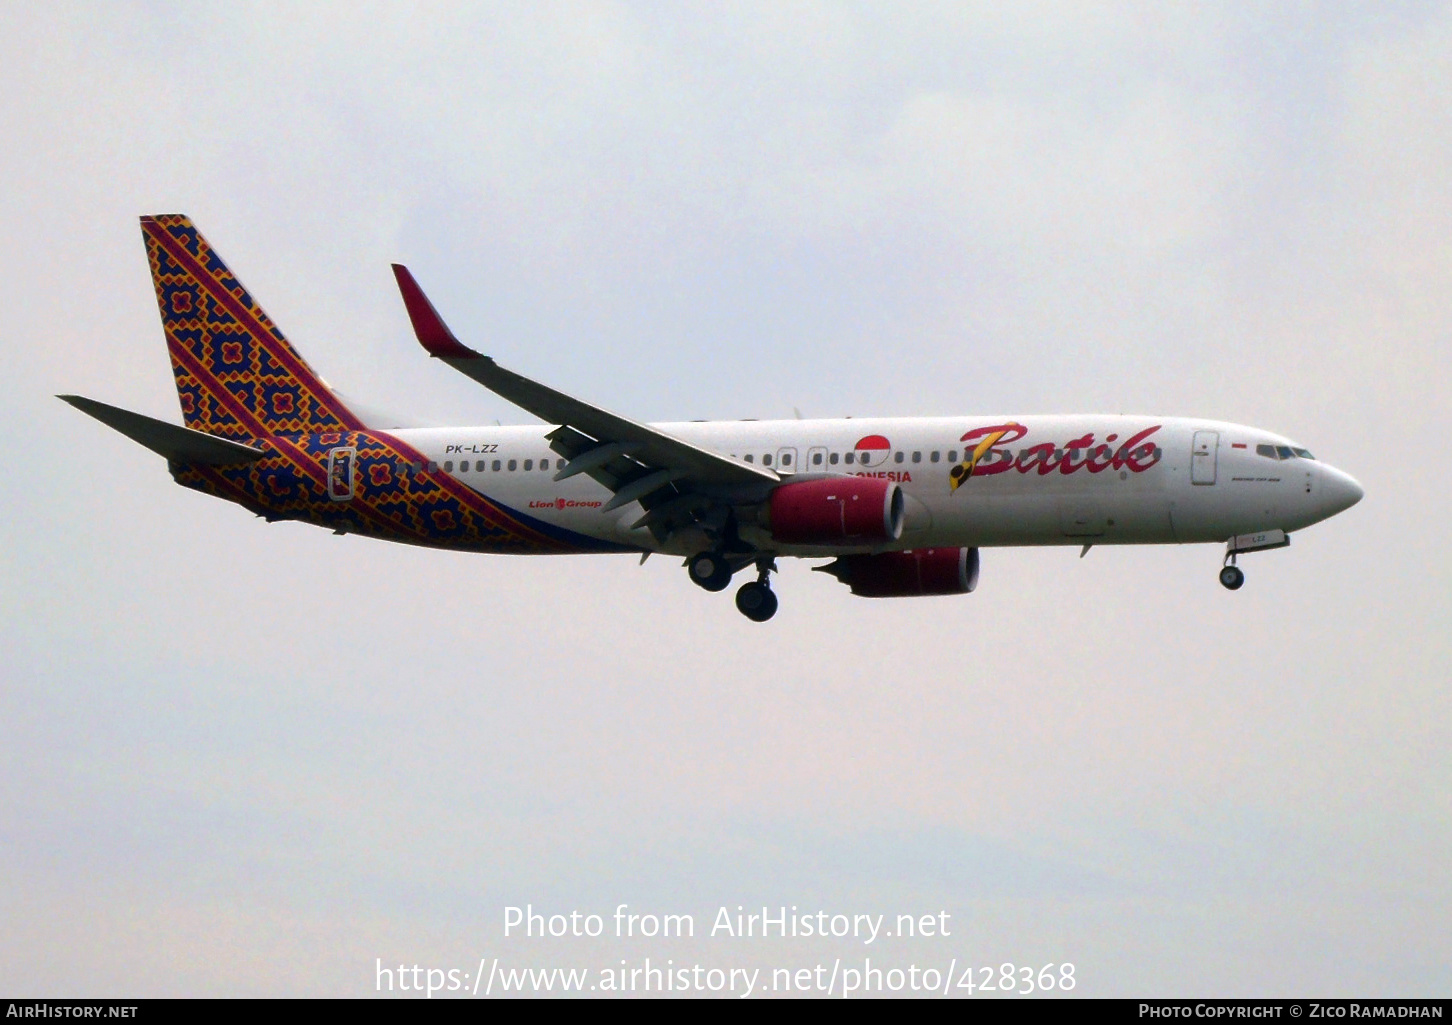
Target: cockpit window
1282,452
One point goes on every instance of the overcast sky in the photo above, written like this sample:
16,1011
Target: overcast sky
247,759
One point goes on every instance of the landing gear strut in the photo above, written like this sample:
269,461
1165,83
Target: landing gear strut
1261,541
711,571
756,600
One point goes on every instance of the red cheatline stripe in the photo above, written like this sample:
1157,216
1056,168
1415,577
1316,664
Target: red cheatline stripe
281,351
286,449
491,512
222,484
470,498
320,394
249,320
468,495
310,467
1237,444
205,377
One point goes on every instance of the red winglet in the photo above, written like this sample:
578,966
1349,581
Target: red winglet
433,334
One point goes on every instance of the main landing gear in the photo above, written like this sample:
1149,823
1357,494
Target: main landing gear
754,600
710,570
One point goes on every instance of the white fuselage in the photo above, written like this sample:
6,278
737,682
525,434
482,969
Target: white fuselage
1047,480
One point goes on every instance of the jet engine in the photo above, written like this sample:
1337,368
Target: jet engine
921,571
836,509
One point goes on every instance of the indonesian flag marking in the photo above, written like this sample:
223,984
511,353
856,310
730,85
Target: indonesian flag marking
872,450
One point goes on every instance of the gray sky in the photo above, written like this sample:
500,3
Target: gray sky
249,759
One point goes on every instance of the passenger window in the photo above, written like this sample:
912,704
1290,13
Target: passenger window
479,466
849,457
529,464
544,464
433,467
952,455
917,457
496,466
512,465
816,459
897,457
786,459
750,458
766,459
832,459
934,457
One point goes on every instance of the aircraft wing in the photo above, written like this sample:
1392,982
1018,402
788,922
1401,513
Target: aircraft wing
671,478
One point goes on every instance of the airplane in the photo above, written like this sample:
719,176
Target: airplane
900,506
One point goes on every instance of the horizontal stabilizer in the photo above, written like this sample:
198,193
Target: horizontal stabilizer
179,444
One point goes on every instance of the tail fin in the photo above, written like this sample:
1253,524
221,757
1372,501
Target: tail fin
236,374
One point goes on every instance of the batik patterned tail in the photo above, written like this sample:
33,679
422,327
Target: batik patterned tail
236,374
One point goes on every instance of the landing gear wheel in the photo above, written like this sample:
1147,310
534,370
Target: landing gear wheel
1231,577
756,602
711,571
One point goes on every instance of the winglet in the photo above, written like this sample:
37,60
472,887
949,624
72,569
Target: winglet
433,334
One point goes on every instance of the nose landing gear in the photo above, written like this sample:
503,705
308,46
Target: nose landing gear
1231,578
1262,541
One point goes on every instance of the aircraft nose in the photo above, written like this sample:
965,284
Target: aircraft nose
1339,491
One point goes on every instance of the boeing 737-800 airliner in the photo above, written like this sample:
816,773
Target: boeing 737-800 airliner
900,506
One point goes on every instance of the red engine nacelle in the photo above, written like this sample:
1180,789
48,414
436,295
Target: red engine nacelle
921,571
836,509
